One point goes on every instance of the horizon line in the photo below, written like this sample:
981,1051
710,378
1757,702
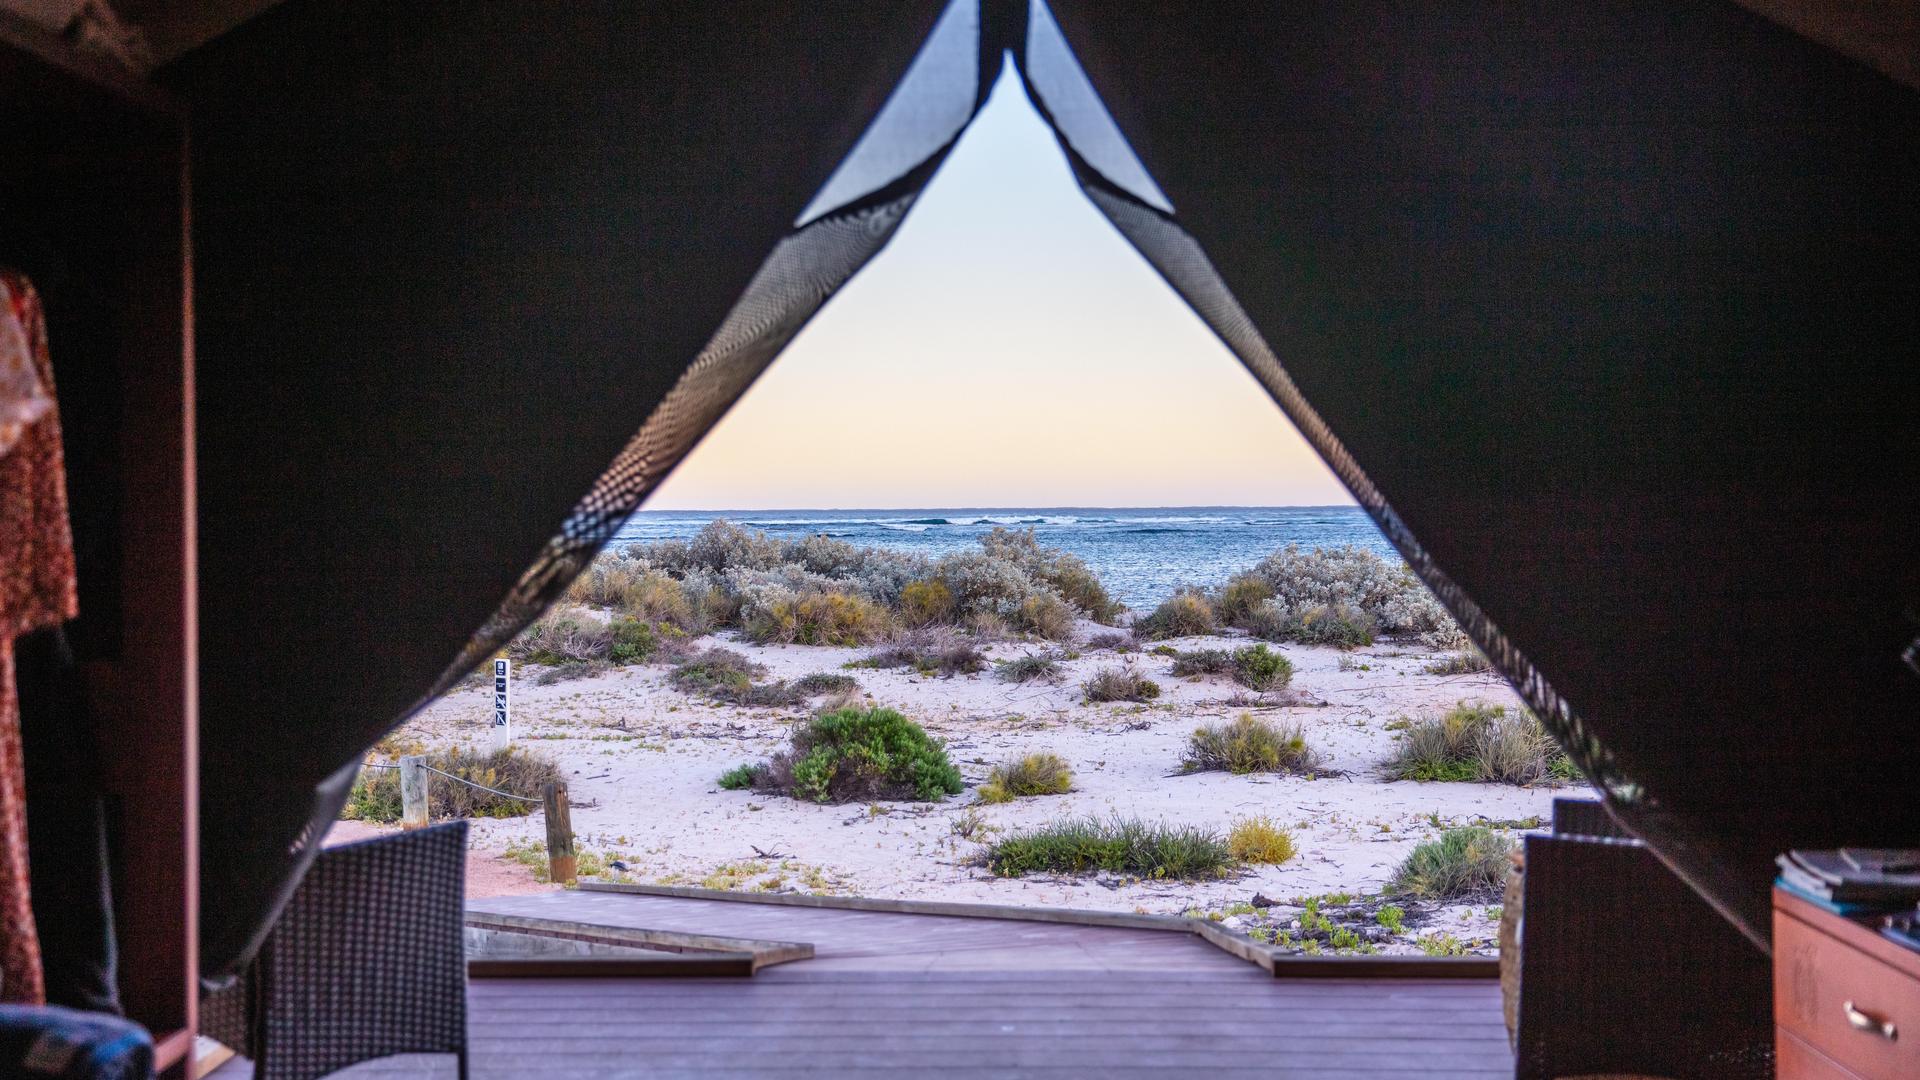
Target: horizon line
890,509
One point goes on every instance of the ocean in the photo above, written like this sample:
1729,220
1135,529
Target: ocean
1142,554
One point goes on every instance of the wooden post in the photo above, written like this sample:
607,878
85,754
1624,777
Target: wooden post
413,792
562,866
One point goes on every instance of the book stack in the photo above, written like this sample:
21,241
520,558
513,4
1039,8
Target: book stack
1854,880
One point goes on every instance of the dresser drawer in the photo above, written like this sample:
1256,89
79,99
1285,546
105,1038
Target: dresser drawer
1795,1060
1862,1013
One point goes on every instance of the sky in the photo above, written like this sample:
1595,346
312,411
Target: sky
1007,348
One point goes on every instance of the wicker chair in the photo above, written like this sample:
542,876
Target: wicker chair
367,961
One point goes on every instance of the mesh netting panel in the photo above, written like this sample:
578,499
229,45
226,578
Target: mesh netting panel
1178,257
804,270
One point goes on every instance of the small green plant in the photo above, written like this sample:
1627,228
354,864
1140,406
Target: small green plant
741,777
1260,669
1120,845
1187,613
1442,945
1119,684
1259,840
1034,774
1247,745
857,755
1028,668
1463,863
1393,917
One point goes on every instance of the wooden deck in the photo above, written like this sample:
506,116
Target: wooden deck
897,994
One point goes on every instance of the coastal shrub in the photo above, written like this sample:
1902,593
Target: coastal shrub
1047,616
1464,662
375,795
822,618
931,650
1197,662
1342,626
1114,642
563,634
1261,669
1065,573
715,672
659,598
631,641
1120,684
1386,591
1462,864
1259,840
1186,613
1028,668
1019,778
827,682
858,755
569,669
1118,846
1248,745
603,583
1475,741
924,602
1240,597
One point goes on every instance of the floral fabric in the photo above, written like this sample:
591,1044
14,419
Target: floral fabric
36,591
23,398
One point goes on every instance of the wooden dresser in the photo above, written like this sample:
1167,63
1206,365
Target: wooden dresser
1846,1001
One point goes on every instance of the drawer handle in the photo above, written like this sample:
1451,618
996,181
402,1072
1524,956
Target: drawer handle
1865,1021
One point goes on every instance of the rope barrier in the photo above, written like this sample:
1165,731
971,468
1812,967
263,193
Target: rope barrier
481,787
373,765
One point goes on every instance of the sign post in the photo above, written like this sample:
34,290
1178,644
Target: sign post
502,703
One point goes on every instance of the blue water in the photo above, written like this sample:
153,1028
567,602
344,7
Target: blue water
1141,554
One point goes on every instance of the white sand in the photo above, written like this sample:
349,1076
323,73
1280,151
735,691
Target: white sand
642,760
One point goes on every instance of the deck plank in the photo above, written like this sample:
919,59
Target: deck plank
890,994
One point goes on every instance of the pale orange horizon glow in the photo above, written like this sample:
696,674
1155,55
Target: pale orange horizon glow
1008,348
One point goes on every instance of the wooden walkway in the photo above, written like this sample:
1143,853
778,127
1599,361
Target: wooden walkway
891,995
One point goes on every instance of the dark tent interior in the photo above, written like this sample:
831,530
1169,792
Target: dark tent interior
1606,312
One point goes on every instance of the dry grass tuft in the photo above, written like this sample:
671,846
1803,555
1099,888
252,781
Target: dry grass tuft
1120,684
1019,778
1475,741
1259,840
1249,745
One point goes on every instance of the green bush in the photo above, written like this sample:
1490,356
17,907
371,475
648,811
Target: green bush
1047,616
741,777
1475,741
1119,684
375,795
1184,614
1462,864
1249,745
1019,778
1259,668
857,754
1119,846
633,642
